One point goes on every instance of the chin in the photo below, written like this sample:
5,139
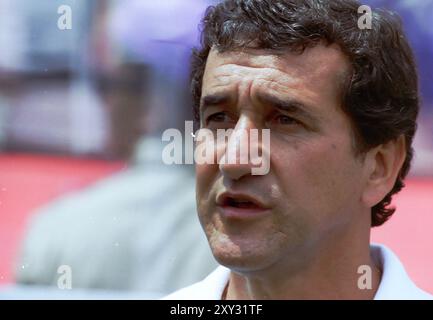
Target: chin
241,257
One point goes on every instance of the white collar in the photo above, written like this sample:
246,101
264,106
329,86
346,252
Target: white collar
395,284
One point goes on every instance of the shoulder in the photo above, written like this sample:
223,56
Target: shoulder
211,288
395,283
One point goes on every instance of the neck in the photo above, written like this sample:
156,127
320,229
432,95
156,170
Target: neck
331,270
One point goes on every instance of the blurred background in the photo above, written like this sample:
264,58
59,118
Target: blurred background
83,104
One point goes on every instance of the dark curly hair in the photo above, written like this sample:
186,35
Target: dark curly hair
381,95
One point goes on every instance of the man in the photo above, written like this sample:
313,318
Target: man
341,104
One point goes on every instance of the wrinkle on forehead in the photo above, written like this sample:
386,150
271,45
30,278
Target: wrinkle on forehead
319,61
321,70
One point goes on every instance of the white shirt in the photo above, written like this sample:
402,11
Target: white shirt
395,284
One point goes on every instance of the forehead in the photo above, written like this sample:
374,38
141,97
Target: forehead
317,74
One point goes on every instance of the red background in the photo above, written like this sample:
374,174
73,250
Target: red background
29,181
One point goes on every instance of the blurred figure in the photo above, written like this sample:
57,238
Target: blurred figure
134,231
137,229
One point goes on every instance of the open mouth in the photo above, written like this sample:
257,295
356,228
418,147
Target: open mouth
237,203
240,206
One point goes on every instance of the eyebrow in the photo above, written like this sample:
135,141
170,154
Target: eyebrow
214,100
286,104
290,105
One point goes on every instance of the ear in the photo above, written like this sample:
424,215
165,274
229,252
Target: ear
382,165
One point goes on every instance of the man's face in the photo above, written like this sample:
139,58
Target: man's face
313,189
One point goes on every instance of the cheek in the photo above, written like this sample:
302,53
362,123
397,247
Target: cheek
205,177
318,178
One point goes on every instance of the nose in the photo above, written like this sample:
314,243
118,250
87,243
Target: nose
235,161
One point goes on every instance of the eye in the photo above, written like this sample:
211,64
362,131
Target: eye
285,120
217,117
220,120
